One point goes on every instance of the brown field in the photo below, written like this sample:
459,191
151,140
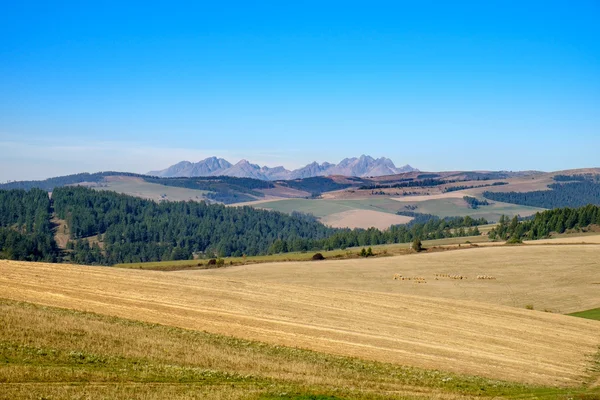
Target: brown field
364,219
556,278
431,332
593,238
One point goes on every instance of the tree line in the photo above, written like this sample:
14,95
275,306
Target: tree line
576,194
474,202
544,223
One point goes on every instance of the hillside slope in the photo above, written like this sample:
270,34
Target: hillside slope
459,336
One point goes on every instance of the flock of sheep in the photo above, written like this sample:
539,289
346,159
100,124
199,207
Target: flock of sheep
416,279
419,279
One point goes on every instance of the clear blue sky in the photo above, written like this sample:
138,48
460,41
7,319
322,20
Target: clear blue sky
437,84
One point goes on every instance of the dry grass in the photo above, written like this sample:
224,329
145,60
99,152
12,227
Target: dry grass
364,219
458,336
56,353
557,278
590,238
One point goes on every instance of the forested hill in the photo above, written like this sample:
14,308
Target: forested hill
135,229
25,229
543,224
51,183
576,194
109,228
224,189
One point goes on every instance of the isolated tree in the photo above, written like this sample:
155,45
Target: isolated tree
363,252
369,252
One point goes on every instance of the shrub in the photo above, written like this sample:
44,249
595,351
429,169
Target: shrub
514,240
370,252
212,261
220,262
363,252
417,245
318,256
529,306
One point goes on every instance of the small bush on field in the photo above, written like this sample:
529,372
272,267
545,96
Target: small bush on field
318,256
417,245
529,306
514,240
366,253
220,262
212,261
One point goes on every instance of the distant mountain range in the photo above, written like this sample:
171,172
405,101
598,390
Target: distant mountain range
362,166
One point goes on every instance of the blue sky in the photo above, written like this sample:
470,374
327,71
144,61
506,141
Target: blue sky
440,85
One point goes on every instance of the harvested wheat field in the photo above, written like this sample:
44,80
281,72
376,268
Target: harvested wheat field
434,333
364,219
554,278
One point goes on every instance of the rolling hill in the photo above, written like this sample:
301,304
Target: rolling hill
437,325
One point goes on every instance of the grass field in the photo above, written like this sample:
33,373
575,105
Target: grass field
364,219
347,213
146,190
53,353
453,206
322,208
384,250
458,336
589,314
534,275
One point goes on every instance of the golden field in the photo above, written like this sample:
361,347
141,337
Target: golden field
354,307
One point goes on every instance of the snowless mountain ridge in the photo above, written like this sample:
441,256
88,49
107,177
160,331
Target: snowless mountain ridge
362,166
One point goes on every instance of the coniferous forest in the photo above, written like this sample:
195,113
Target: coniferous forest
106,228
576,194
543,224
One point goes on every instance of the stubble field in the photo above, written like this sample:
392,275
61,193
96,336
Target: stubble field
355,308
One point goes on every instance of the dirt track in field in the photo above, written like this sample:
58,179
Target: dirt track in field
459,336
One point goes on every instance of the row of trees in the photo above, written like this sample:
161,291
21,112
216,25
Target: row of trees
464,187
544,223
474,202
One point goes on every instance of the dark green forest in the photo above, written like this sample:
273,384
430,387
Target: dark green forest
576,194
463,187
315,185
129,229
542,224
474,202
108,228
25,229
576,177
